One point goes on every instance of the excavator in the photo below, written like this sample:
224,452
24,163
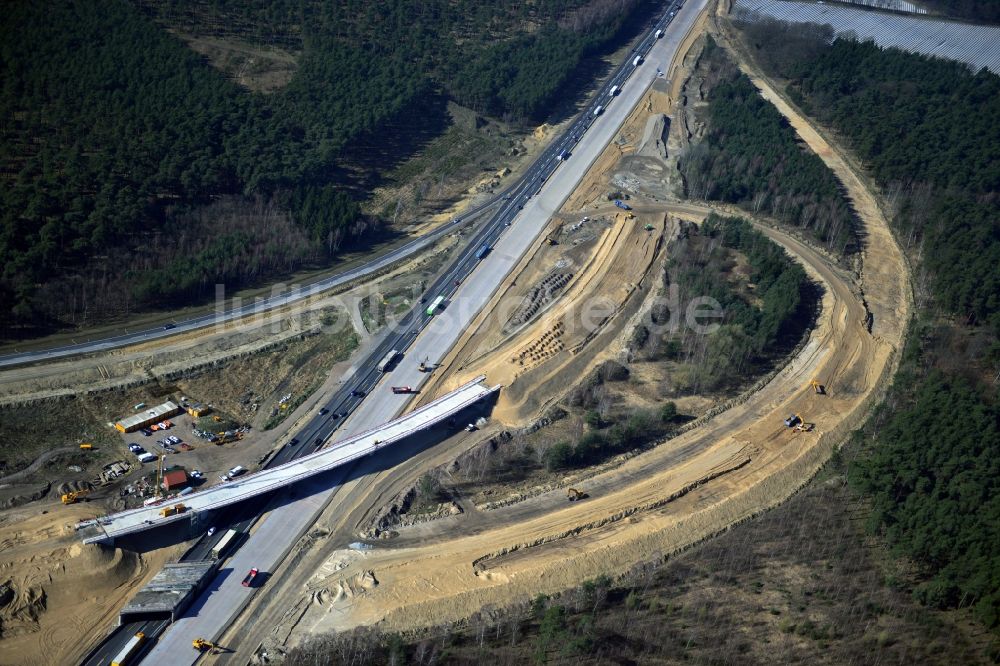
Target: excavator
553,238
573,495
74,496
819,388
427,366
795,421
201,645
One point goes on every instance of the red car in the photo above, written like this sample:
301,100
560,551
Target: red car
248,580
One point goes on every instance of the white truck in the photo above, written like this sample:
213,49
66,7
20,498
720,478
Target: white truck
637,61
658,34
614,90
598,110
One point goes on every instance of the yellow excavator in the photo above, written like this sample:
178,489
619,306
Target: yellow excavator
201,645
819,388
573,495
74,496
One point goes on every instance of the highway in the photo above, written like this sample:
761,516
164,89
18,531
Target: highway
525,209
345,451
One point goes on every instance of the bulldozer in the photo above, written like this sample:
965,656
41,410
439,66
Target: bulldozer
553,237
74,496
201,645
819,388
573,495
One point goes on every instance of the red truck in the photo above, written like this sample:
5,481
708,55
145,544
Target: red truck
248,579
402,389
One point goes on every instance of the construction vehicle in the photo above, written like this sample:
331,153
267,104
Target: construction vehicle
551,239
86,447
172,510
819,388
805,427
227,437
426,365
792,420
74,496
201,645
648,227
125,655
573,495
621,204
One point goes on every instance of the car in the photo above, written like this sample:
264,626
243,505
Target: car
357,392
324,411
167,327
133,447
174,439
196,474
423,299
146,431
211,531
248,579
471,427
163,425
224,478
237,471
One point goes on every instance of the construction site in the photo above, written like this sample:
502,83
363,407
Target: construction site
476,520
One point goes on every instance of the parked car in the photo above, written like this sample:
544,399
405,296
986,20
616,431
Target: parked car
237,471
174,439
146,431
196,474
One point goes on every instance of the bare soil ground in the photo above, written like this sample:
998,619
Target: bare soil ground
800,584
261,69
55,591
738,461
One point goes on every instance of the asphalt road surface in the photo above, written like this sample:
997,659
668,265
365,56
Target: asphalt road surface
466,284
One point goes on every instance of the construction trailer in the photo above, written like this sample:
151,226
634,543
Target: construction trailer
149,417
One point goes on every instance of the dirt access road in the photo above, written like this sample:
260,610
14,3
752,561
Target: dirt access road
735,465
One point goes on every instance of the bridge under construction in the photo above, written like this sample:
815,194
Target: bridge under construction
108,528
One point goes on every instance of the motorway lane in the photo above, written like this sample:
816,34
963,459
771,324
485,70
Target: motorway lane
531,180
256,307
584,148
443,329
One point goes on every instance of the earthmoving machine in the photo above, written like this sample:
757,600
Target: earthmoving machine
805,427
552,238
819,388
86,447
201,645
74,496
227,437
792,420
573,495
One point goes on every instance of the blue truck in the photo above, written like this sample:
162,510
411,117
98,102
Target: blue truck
483,251
621,204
